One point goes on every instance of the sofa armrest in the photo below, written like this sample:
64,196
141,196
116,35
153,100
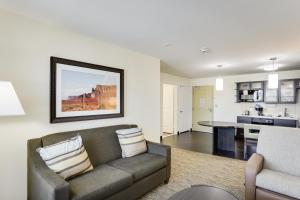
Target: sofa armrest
43,183
253,166
162,150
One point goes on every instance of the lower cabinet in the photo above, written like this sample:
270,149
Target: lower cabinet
286,123
249,148
293,123
244,120
251,144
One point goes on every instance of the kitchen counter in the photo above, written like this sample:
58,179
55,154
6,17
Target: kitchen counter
223,136
269,117
220,124
271,121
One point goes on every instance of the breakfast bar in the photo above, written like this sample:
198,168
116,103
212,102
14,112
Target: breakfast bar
223,136
224,133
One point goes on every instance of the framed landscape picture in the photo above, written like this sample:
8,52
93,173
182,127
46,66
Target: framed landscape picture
84,91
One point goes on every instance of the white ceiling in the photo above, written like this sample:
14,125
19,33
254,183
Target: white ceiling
241,34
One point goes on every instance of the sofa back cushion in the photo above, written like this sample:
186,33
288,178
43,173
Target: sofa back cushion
132,142
67,158
280,148
101,144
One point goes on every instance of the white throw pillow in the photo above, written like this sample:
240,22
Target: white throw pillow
67,158
132,141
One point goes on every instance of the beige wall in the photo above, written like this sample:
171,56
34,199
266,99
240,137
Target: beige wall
25,49
173,80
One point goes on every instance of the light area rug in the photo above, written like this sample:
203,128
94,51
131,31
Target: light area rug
193,168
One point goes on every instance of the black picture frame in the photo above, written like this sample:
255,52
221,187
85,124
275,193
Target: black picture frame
53,90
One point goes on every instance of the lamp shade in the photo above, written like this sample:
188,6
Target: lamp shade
273,81
9,101
219,84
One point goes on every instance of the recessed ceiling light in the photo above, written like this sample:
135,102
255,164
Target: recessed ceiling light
168,45
204,50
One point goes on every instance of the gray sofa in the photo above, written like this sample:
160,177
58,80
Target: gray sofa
112,178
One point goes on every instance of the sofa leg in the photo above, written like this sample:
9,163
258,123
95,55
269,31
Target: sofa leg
166,181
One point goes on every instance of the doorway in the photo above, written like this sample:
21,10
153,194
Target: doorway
202,107
169,109
185,108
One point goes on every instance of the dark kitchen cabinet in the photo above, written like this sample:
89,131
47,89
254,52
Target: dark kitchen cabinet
298,83
287,91
293,123
244,86
258,85
258,91
251,144
271,95
244,120
250,91
286,123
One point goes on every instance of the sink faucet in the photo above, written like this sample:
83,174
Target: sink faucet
285,112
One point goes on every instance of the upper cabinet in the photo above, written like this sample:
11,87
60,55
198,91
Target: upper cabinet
298,84
287,91
244,86
258,91
251,85
271,95
259,85
250,91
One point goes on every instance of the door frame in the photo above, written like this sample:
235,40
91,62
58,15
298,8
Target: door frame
184,108
175,108
208,130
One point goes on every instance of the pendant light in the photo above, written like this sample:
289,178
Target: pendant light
219,80
273,77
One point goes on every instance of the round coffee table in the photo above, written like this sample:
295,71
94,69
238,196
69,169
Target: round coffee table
203,192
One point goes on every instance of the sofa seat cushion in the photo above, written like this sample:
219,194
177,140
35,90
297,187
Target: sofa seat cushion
279,182
141,165
100,183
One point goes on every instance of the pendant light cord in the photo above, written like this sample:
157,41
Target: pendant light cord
219,70
273,61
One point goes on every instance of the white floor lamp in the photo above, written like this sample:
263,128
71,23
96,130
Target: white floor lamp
9,101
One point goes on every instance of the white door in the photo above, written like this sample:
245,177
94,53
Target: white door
168,108
184,108
202,107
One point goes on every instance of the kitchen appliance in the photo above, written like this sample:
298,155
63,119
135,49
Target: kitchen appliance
263,121
259,109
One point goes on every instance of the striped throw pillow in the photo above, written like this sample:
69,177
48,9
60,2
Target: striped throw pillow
132,141
68,158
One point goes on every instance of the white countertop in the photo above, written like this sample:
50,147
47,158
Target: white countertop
256,116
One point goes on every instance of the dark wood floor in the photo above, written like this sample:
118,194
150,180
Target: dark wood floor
200,142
